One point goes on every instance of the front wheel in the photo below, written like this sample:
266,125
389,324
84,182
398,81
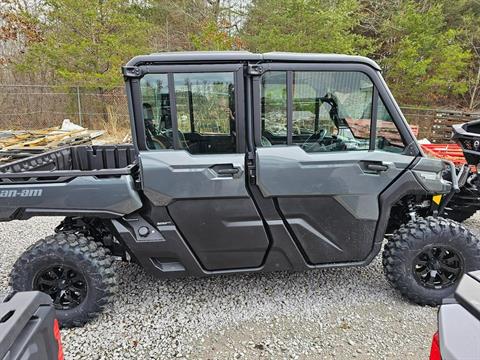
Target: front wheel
74,270
426,258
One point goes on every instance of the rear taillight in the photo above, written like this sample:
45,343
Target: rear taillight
435,349
56,334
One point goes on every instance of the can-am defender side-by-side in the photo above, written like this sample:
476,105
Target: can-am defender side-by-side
242,162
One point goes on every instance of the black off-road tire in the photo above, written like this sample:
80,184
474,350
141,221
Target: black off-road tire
77,252
402,250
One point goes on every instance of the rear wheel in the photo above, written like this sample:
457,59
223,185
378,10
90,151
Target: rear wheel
426,258
66,286
74,270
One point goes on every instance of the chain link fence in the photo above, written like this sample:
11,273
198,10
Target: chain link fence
41,106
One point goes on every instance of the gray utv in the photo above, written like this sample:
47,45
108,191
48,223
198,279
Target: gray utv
242,162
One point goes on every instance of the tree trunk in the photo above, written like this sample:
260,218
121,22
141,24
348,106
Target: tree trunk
471,106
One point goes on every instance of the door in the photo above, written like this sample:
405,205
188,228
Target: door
193,161
327,146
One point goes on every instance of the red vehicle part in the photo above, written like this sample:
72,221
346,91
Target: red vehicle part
451,152
435,349
58,338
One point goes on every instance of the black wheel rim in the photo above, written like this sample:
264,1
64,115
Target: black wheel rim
438,267
66,286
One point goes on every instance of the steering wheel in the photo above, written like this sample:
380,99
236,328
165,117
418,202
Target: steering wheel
321,135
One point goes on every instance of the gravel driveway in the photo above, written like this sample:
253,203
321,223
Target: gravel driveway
320,314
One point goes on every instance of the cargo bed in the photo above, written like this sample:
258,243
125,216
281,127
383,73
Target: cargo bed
78,180
75,160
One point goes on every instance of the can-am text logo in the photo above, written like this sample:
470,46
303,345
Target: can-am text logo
20,193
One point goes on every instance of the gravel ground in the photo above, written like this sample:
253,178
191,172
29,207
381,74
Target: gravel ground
321,314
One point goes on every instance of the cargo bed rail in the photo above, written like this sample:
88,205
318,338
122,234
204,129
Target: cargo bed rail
80,158
60,175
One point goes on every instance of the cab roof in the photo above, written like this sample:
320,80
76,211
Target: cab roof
195,57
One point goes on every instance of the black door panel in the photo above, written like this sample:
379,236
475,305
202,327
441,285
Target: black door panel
208,201
326,231
223,233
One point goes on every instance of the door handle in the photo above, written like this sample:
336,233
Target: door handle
231,171
377,167
225,170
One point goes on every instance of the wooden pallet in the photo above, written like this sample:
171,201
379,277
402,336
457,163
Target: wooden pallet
15,145
436,126
387,129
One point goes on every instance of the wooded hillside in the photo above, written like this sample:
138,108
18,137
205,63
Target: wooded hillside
429,49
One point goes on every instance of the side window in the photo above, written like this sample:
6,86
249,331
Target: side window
205,111
274,108
156,111
331,111
388,137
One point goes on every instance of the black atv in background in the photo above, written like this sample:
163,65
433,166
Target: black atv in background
465,203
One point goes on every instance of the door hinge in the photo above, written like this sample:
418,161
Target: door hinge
255,70
251,169
132,71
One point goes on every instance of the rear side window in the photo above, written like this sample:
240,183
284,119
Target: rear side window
156,111
204,112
